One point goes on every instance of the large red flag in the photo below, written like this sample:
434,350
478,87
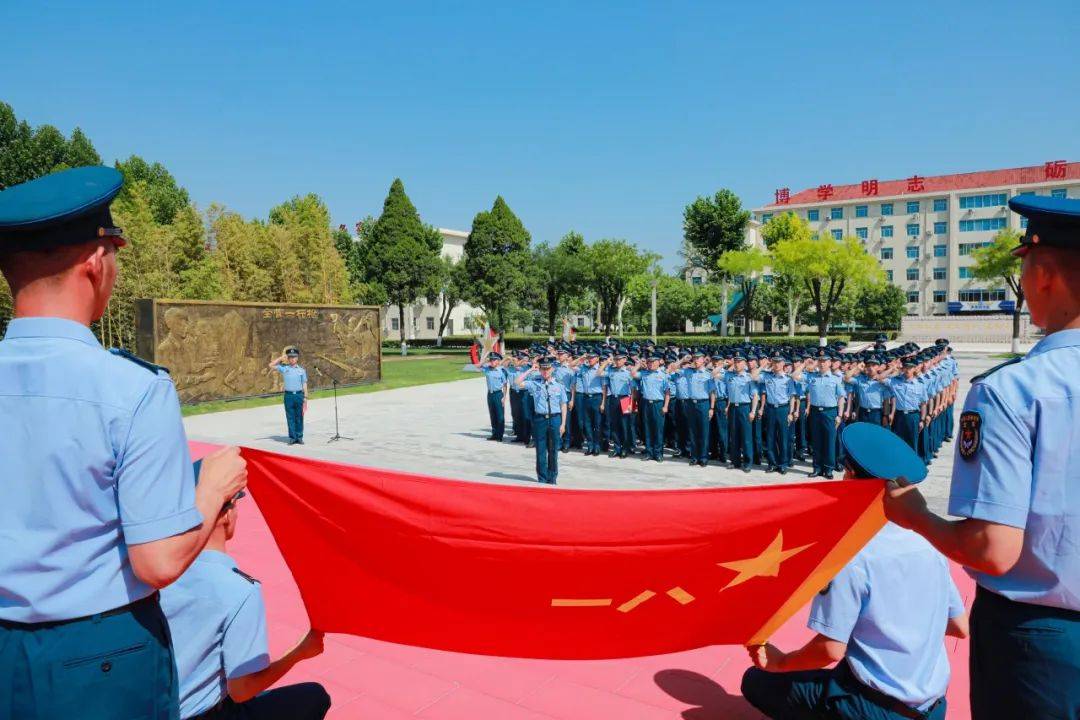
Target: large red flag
549,572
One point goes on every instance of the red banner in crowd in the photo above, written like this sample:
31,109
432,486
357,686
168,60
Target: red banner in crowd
549,572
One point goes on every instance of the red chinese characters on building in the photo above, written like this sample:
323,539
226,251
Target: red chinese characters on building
1054,170
824,192
915,184
869,187
783,196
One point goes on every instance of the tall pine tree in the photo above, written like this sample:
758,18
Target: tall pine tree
496,260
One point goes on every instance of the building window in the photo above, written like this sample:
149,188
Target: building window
431,323
394,324
1058,193
766,217
968,202
913,252
941,204
450,327
862,210
966,274
696,280
913,273
813,215
888,275
886,253
837,234
968,248
913,206
913,296
982,295
886,231
939,296
860,233
939,273
982,225
913,230
941,250
886,208
836,214
941,228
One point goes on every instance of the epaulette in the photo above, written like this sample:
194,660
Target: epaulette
244,575
994,369
121,352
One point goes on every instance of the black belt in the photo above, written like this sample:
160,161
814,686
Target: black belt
776,405
846,677
907,412
548,415
652,401
293,392
822,407
589,394
989,597
739,404
148,600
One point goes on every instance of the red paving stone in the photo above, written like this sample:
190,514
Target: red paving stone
377,680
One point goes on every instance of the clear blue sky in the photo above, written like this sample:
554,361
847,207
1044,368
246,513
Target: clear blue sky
606,118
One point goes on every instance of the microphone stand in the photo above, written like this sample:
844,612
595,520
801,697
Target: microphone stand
337,429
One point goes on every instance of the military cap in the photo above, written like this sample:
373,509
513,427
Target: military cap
738,355
882,337
547,361
491,356
874,452
292,352
64,208
777,356
909,362
1051,221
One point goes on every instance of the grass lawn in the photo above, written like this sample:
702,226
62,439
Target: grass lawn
1006,356
395,375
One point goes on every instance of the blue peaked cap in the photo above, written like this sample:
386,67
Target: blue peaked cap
874,452
63,208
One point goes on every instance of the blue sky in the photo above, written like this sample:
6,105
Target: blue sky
606,118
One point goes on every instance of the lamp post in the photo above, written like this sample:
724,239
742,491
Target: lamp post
654,282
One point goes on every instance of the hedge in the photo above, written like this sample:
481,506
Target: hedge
521,340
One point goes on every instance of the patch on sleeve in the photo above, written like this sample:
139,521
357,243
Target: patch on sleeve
970,433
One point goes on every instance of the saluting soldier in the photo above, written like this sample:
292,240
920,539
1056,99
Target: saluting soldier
593,383
655,399
565,374
702,405
100,508
1014,484
825,393
497,383
742,393
548,397
779,411
619,390
907,404
718,434
296,392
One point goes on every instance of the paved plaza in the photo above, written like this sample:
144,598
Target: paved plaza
442,430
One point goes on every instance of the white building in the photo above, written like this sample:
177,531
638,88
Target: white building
923,229
421,319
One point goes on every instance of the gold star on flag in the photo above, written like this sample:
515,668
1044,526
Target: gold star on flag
767,564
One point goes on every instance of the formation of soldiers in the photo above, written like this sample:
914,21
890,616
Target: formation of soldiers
743,405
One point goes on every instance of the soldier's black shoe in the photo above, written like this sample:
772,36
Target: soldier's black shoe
565,450
292,441
530,444
660,459
703,463
493,439
613,454
770,469
746,468
783,471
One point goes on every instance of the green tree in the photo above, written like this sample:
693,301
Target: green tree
996,263
312,270
447,290
745,266
27,153
79,151
497,261
785,231
879,306
712,227
165,195
612,264
676,302
401,254
563,274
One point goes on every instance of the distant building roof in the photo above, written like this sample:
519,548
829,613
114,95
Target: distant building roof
917,185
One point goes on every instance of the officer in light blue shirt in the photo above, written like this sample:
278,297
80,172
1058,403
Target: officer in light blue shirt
825,393
702,399
549,417
217,619
681,399
99,506
620,385
497,382
593,384
882,619
779,411
296,390
565,374
907,406
655,397
742,394
1015,480
873,391
718,430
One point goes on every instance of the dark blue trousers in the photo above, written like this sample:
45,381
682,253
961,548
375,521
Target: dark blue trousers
823,438
906,426
868,415
593,437
758,441
742,443
653,412
777,442
802,435
515,412
303,701
682,430
526,418
294,414
718,438
820,695
619,425
1024,661
699,430
496,413
107,666
577,422
545,432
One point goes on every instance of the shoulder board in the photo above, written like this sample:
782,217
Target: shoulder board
244,575
994,369
121,352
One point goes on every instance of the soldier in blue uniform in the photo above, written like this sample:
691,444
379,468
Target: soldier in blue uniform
1014,483
593,383
619,387
718,434
779,411
702,401
565,374
655,399
754,362
882,620
742,393
296,392
802,436
497,384
825,393
873,390
907,404
99,507
217,619
549,417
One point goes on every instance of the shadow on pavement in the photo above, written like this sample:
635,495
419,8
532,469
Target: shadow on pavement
510,476
713,701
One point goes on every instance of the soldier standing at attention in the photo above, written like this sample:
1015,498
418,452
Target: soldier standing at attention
780,405
742,394
498,383
702,406
907,404
1014,483
592,402
825,393
655,397
620,385
100,508
873,391
565,374
718,432
296,391
548,397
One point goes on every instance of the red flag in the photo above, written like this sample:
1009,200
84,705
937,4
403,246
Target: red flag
549,572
